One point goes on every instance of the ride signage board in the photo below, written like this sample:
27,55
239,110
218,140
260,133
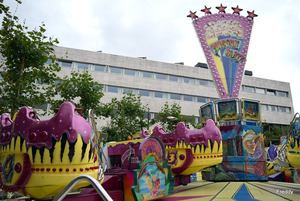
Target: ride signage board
225,40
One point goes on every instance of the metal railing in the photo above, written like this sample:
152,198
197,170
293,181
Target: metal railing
91,119
97,186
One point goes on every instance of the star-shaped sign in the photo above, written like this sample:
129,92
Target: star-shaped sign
192,15
206,10
251,14
221,8
236,10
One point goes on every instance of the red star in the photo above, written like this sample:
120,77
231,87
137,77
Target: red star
221,9
236,10
251,14
192,15
206,10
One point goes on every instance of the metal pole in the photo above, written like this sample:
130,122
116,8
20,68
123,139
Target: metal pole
148,117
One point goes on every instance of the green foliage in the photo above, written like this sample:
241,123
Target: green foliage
81,90
173,110
127,117
272,132
24,55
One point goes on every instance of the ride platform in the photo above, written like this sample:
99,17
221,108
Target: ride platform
246,191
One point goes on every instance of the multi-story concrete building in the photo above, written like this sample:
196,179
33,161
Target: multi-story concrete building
159,82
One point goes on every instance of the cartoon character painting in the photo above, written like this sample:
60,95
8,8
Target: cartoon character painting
152,180
252,144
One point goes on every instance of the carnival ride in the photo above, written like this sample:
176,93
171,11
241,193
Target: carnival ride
39,158
286,155
43,159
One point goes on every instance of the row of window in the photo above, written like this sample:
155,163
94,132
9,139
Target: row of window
152,115
131,72
264,91
159,76
275,108
157,94
172,96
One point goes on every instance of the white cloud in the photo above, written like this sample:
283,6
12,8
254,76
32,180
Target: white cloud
161,31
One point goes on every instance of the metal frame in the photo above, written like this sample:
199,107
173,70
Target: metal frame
97,186
229,121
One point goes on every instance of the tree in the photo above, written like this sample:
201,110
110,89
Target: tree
24,56
273,132
174,110
126,117
81,90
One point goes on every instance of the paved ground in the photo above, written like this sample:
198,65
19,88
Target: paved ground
205,190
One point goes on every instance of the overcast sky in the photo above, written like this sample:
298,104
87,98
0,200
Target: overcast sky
160,31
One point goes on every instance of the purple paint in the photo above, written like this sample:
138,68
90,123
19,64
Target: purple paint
38,133
191,137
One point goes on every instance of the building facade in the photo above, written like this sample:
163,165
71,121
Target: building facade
159,82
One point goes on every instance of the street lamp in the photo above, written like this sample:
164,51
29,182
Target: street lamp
170,118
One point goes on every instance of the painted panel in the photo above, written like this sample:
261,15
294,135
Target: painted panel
225,39
153,178
206,112
251,110
244,158
227,110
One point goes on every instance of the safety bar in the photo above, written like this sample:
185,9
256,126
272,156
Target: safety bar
97,186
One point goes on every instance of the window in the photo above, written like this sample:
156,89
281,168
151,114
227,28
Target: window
130,72
188,98
147,115
145,93
129,91
145,74
65,64
175,96
97,85
249,89
260,91
48,62
57,82
213,99
201,100
38,81
263,107
211,83
190,118
202,82
160,76
174,78
282,93
188,80
83,66
41,107
98,68
113,89
160,95
271,92
284,109
115,70
273,108
1,100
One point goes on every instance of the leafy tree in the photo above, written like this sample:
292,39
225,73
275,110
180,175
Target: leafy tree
173,110
273,132
81,90
126,117
24,55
